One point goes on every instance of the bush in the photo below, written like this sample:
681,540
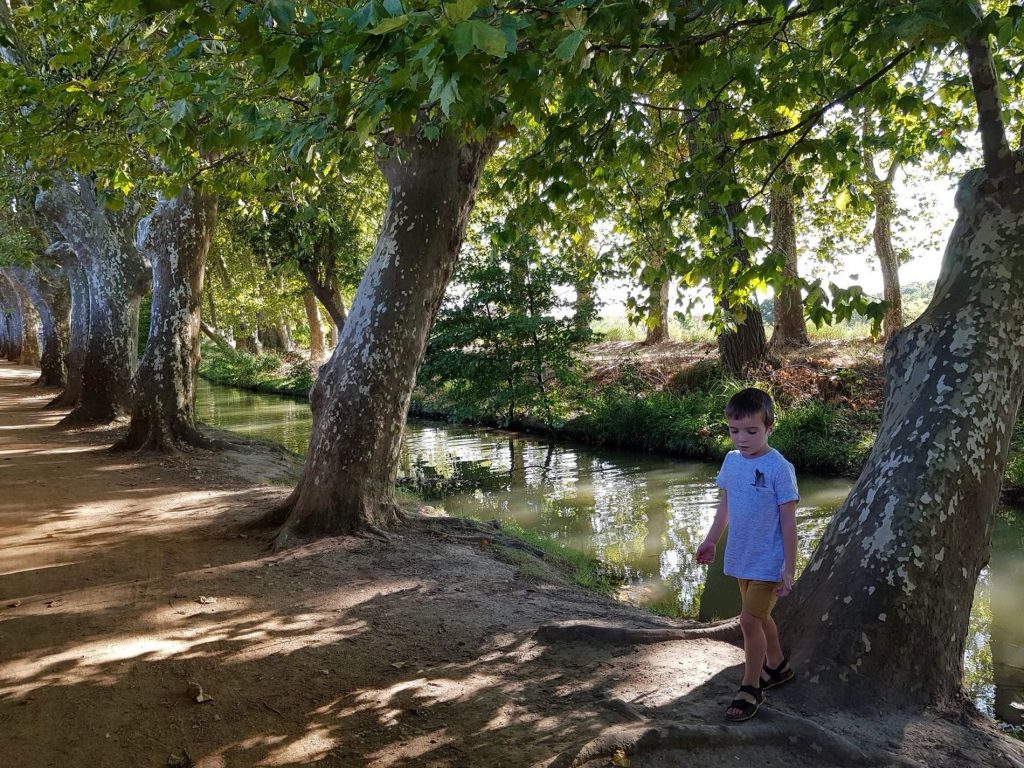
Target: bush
823,438
703,376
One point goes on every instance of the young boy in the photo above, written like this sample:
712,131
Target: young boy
758,503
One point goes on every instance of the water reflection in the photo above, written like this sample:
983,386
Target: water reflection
642,517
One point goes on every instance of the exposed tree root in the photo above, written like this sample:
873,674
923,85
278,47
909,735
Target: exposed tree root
727,631
156,436
473,532
66,399
775,728
277,514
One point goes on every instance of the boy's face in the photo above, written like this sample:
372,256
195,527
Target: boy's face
749,435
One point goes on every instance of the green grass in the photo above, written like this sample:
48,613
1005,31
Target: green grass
581,568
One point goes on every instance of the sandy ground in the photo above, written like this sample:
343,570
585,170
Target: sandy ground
140,625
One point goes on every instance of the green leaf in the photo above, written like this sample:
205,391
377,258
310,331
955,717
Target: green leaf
462,40
178,111
460,10
489,39
282,11
566,50
390,25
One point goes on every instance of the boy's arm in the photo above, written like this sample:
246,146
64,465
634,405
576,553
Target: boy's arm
787,519
706,551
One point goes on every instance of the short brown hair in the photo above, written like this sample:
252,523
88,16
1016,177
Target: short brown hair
751,401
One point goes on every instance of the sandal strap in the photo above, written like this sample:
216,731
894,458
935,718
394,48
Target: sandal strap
776,672
757,693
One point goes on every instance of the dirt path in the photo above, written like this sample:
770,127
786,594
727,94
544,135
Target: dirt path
126,582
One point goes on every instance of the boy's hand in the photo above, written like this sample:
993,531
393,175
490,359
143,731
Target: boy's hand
786,586
706,553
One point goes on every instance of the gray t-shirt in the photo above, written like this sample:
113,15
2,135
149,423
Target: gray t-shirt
755,488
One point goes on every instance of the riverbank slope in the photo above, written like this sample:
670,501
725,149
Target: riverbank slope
142,625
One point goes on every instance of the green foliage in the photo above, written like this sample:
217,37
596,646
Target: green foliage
832,441
261,373
505,342
702,376
690,424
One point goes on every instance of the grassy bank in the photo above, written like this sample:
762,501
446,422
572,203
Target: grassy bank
290,375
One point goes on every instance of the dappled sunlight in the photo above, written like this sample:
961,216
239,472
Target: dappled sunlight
84,663
312,746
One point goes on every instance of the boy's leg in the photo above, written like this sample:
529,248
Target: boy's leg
773,648
755,645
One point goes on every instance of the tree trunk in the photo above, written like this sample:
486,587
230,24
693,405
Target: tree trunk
14,319
885,208
790,329
316,333
247,342
30,352
881,612
583,306
176,236
335,333
327,293
78,334
747,346
47,289
115,271
657,326
361,398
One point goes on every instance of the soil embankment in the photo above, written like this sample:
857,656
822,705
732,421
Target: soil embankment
139,623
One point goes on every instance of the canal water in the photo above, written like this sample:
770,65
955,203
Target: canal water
642,516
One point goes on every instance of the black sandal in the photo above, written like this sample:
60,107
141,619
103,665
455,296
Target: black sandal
747,708
777,675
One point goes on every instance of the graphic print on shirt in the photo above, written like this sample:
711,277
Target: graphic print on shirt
759,481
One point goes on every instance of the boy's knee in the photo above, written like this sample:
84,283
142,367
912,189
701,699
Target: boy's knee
749,621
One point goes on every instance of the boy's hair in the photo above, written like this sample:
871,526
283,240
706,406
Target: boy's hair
751,401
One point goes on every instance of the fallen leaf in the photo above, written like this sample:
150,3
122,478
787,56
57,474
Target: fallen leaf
620,759
207,600
15,604
399,664
180,761
195,690
54,603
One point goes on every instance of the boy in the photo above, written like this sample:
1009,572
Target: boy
758,503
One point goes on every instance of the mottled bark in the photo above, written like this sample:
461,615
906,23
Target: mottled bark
881,612
747,346
47,288
176,237
316,332
78,334
13,319
790,329
247,342
361,397
116,274
327,293
885,207
583,306
657,303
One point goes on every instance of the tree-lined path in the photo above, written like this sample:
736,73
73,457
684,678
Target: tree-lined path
127,585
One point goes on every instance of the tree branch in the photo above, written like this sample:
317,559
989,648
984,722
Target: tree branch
994,145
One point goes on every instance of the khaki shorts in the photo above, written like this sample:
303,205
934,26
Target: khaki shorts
758,596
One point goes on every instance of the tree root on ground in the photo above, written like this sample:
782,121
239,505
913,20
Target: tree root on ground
472,532
276,514
569,631
775,728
